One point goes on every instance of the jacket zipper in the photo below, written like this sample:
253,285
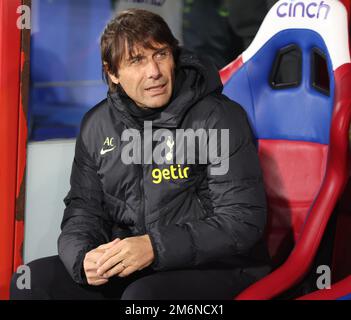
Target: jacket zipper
142,189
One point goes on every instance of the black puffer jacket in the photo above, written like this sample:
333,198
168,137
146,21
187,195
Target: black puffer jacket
198,221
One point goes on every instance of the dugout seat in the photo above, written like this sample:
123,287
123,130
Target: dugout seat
294,83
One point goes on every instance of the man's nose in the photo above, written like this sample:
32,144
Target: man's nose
153,69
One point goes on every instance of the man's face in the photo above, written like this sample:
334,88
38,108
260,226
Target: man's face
147,76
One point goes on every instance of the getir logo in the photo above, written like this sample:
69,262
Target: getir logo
171,173
313,10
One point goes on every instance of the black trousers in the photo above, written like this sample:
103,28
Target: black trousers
50,280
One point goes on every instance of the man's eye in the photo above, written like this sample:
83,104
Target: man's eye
162,54
136,60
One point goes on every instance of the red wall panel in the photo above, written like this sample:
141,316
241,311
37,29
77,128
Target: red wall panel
12,139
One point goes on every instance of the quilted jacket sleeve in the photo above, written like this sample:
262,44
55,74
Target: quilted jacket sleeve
85,225
238,201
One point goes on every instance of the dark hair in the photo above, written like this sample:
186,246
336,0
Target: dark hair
129,28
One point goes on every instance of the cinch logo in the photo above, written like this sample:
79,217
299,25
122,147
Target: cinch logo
311,10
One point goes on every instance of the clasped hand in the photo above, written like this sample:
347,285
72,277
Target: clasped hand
119,257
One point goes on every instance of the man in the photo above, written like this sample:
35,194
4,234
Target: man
147,218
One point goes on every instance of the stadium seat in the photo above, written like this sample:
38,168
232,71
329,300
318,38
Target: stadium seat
293,82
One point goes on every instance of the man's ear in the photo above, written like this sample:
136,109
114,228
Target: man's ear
113,78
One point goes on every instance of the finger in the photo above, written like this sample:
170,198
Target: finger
109,253
92,274
109,244
118,268
93,256
109,264
98,282
127,271
89,265
95,277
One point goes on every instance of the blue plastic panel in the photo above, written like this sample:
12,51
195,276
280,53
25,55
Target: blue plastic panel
65,64
300,113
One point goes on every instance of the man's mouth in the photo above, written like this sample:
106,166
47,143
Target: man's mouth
157,89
